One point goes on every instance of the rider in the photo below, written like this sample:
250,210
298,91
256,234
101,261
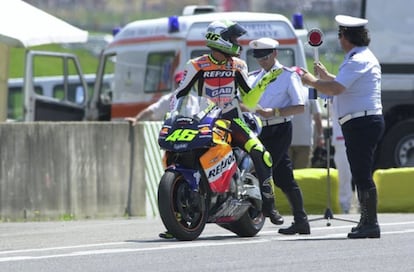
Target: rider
222,77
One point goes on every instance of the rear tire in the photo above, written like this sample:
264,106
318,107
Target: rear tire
253,220
248,225
183,211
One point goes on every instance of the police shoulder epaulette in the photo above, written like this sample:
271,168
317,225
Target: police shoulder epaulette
289,69
253,73
293,69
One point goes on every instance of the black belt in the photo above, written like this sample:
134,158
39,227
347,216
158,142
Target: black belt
350,116
275,121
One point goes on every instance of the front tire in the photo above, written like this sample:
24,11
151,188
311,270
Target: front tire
183,211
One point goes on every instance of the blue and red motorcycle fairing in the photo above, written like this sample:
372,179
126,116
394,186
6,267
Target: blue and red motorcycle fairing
205,179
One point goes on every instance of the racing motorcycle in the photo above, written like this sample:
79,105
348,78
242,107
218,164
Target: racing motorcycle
206,180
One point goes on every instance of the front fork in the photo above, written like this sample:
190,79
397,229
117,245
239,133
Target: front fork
192,176
249,183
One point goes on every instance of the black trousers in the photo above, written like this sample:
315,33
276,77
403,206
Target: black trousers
362,136
277,139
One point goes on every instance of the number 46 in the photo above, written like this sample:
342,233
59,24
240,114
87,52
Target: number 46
184,135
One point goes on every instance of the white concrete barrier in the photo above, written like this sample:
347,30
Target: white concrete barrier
55,170
52,170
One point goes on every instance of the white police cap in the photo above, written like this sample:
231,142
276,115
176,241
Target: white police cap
264,43
349,21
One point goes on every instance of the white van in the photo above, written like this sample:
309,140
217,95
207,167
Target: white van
58,88
144,56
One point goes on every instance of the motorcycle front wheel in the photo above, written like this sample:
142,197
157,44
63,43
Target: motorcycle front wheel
183,211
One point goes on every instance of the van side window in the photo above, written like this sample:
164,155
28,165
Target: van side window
285,56
15,101
37,89
159,72
75,94
106,91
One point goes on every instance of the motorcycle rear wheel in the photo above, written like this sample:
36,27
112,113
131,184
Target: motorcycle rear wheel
248,225
183,211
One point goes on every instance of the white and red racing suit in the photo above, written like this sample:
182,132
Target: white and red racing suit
224,83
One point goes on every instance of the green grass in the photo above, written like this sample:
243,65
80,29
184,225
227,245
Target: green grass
331,63
88,62
44,67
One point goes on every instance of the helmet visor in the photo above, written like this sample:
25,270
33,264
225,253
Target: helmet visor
235,30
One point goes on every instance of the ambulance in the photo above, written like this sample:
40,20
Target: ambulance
144,56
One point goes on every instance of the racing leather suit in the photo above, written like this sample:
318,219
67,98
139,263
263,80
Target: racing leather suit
224,82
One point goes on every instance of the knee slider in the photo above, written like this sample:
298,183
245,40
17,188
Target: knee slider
261,154
267,158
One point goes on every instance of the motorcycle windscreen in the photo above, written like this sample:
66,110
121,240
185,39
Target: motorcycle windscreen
219,164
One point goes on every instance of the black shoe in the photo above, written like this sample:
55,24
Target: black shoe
166,235
274,217
356,228
365,231
300,228
368,225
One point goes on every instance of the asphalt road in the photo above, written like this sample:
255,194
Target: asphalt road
133,245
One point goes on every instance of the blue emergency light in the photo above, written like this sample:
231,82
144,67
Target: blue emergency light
173,25
297,20
116,30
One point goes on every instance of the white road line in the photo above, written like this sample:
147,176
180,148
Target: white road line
62,248
192,244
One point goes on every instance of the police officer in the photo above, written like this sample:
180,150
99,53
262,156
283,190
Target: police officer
281,99
357,103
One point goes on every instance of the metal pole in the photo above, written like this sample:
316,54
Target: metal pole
131,136
4,75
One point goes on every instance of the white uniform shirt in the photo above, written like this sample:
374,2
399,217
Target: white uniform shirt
285,91
360,73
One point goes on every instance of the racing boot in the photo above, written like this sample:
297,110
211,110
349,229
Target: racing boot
268,207
301,223
270,211
165,235
369,227
263,162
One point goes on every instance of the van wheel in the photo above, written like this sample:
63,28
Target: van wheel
397,147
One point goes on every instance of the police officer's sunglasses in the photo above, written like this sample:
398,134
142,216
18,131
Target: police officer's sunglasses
265,57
